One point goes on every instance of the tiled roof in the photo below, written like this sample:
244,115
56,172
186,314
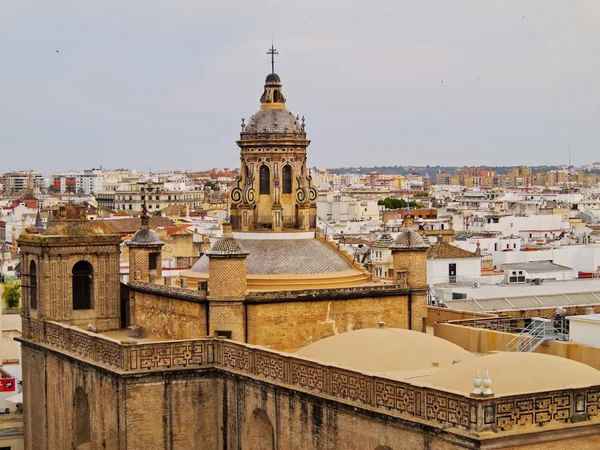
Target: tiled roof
408,239
227,245
443,250
384,241
131,225
286,256
145,237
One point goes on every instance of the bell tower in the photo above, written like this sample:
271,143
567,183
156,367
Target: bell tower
274,191
71,272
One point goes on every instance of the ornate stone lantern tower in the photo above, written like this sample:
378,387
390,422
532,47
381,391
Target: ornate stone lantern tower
274,190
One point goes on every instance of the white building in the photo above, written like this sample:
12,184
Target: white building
585,329
448,264
339,208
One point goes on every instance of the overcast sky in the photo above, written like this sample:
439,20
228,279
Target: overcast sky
164,83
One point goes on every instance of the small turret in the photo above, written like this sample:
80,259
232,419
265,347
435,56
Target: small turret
227,286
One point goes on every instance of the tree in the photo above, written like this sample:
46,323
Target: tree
12,295
398,203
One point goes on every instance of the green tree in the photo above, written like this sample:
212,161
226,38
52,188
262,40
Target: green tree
398,203
12,295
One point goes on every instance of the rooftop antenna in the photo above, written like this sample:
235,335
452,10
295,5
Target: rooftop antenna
272,51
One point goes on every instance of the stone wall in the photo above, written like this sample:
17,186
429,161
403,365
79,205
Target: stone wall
227,277
173,413
164,313
481,340
214,393
50,380
289,325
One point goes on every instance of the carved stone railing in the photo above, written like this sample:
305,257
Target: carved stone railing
361,389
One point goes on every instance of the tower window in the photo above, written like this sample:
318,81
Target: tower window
83,281
287,179
153,259
32,285
265,180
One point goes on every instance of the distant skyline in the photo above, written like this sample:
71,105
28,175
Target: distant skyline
164,84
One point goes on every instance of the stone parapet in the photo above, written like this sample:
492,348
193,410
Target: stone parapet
168,291
363,390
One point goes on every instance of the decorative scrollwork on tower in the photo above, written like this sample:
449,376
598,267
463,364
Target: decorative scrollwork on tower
236,193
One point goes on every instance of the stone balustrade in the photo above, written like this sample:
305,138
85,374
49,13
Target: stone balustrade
364,390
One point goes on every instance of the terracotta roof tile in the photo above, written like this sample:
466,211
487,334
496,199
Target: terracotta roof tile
443,250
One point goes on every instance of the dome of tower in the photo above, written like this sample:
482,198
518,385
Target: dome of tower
409,239
227,245
145,236
273,121
273,78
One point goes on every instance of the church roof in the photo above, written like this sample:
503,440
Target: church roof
443,250
286,256
514,373
386,350
409,239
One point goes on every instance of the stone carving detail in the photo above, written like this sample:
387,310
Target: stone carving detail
108,352
236,357
447,409
35,330
533,411
82,345
398,396
350,385
153,356
309,376
593,403
270,366
57,336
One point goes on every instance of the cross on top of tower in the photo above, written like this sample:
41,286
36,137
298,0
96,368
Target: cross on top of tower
272,51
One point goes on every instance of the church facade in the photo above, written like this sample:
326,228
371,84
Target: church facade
213,362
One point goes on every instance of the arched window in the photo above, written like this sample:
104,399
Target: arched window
287,179
260,432
83,282
265,180
81,419
32,285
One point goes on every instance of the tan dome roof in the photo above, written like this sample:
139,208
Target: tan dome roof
513,373
385,350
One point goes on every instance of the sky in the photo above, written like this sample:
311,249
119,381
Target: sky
163,84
